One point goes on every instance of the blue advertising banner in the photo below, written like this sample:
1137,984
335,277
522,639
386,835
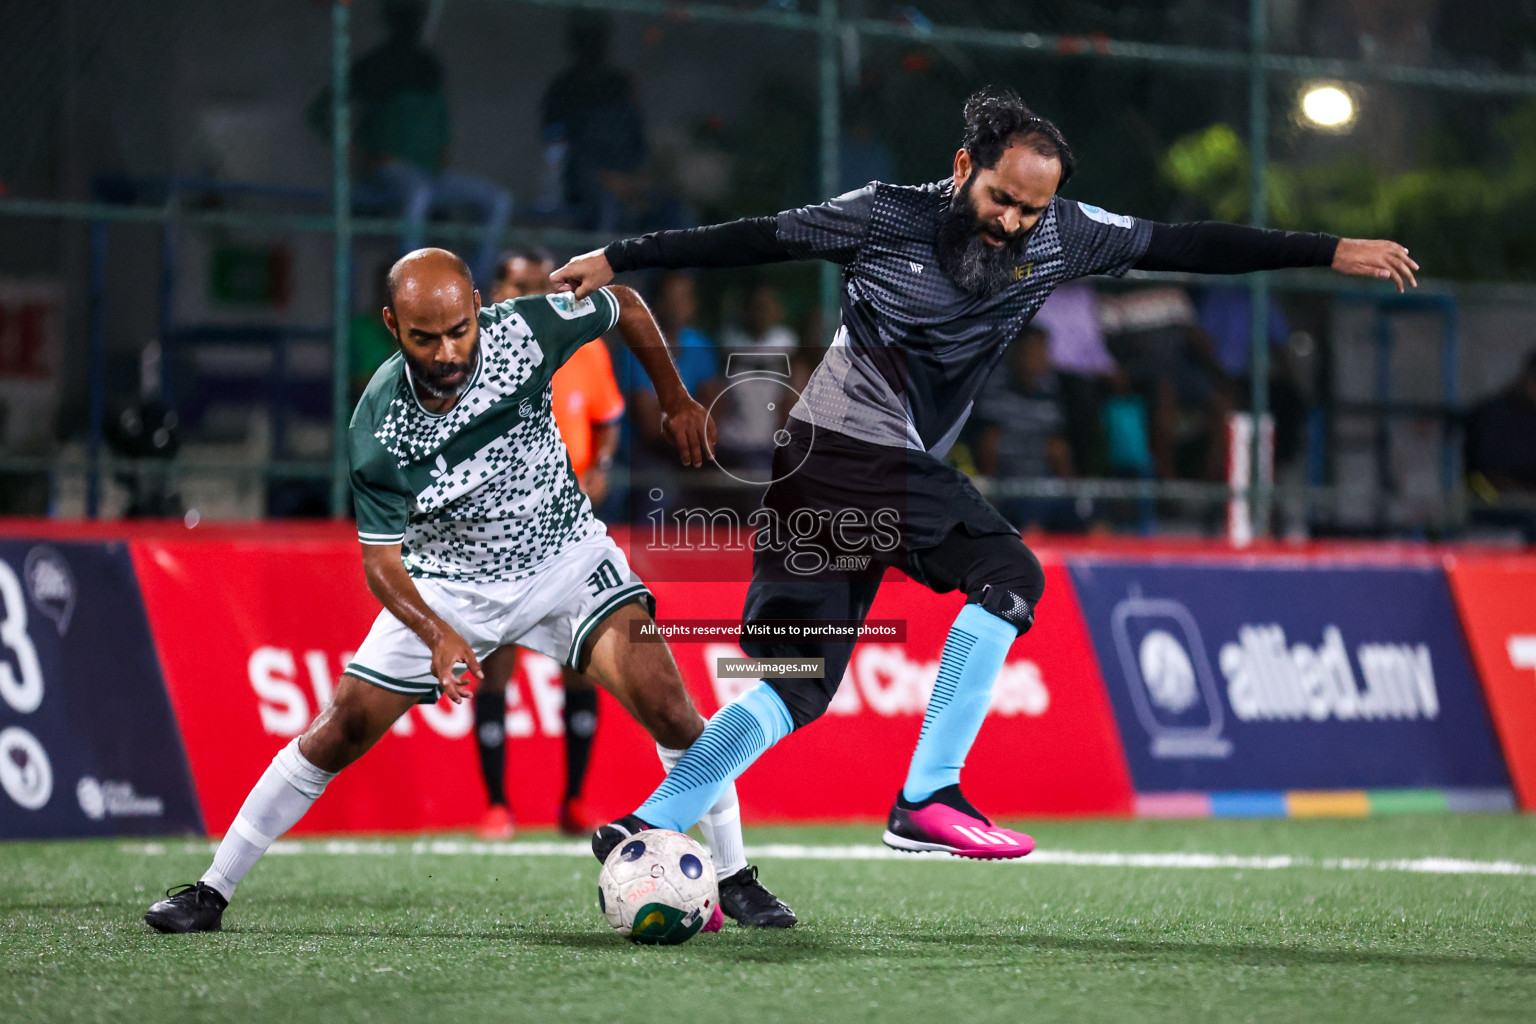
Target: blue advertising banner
88,743
1250,677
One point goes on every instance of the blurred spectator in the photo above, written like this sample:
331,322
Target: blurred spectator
1123,416
592,124
369,342
1070,317
1156,337
1501,453
864,156
652,461
762,325
759,353
403,133
523,270
1021,433
1226,315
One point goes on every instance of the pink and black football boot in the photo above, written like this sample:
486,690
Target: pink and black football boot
947,823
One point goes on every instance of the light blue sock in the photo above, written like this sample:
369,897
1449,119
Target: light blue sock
733,739
973,655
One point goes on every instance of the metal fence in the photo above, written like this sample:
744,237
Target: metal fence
837,87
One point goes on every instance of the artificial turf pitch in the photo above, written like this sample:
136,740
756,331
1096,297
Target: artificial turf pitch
1352,928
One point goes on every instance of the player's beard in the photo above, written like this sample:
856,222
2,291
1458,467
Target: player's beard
432,376
970,261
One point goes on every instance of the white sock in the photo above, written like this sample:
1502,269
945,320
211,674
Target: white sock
721,825
279,799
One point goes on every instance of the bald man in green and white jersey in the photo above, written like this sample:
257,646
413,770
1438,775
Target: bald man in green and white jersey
475,535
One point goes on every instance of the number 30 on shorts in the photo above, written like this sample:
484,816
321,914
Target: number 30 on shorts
604,577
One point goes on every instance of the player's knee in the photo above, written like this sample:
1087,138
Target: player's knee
338,737
1012,589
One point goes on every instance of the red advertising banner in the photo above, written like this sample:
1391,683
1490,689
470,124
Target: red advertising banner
1496,596
253,635
1049,745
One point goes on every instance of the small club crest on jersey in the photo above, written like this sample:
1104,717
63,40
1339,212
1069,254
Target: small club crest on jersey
1114,220
568,306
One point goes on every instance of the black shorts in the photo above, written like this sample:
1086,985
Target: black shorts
839,513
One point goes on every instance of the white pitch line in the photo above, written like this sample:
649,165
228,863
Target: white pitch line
796,851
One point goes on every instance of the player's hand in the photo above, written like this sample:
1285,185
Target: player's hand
449,651
1377,257
583,275
688,428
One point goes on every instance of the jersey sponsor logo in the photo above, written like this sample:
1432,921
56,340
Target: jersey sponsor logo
568,306
917,268
1023,270
605,577
1114,220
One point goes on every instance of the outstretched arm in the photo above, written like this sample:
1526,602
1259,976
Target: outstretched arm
738,243
833,230
684,422
1211,247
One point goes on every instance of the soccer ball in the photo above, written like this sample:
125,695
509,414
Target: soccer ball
657,887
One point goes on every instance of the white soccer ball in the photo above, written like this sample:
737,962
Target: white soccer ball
657,887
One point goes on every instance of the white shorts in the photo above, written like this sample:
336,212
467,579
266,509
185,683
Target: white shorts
551,612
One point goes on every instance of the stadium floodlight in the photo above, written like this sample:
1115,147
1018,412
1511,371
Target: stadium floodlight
1326,105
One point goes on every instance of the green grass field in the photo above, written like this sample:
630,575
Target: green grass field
399,932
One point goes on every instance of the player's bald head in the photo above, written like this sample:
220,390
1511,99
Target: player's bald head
432,276
432,314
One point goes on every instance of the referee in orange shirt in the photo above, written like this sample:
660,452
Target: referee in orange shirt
588,406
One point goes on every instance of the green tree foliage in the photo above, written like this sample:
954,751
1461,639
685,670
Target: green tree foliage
1459,220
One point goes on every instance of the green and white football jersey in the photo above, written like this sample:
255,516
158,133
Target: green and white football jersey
485,490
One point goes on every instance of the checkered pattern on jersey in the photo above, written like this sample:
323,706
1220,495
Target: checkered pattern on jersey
919,347
494,491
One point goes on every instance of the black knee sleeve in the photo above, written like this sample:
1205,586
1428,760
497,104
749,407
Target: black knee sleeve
1008,605
1012,588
